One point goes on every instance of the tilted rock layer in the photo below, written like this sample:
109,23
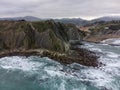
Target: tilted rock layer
44,38
33,35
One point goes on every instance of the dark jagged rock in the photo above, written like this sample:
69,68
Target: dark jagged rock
80,56
31,38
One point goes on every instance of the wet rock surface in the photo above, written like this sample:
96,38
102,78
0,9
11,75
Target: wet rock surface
81,56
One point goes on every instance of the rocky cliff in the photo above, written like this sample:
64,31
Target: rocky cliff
33,35
45,38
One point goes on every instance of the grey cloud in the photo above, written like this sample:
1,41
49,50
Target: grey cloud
59,8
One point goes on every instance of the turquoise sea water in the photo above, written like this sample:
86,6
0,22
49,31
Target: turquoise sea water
36,73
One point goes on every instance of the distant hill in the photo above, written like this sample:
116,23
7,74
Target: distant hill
27,18
107,18
76,21
82,22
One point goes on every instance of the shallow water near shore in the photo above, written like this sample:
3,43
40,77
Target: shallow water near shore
36,73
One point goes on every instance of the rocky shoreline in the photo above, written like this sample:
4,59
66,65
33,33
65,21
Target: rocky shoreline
81,56
46,39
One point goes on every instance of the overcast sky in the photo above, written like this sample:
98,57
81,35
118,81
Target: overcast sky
59,8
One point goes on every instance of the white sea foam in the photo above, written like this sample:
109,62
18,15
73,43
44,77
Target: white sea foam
114,41
54,73
111,65
21,63
96,76
96,49
105,75
62,86
99,77
112,55
117,42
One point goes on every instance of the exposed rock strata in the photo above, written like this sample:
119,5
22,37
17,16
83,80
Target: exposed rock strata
45,38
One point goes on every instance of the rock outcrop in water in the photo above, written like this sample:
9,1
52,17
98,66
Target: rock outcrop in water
50,38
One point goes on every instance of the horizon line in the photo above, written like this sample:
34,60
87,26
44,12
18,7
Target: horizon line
84,18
